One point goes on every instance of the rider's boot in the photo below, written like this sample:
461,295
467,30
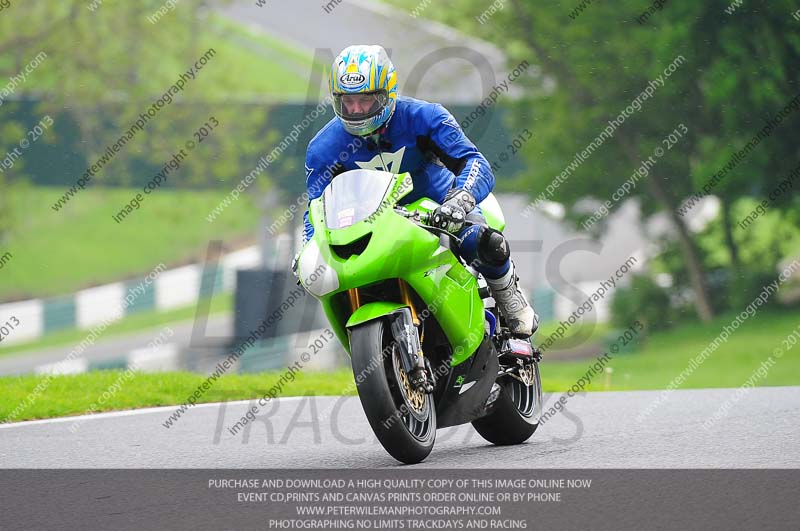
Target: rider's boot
520,317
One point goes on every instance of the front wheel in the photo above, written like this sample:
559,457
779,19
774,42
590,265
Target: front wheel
403,418
517,409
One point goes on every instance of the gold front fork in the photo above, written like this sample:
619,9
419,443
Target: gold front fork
405,296
355,301
355,298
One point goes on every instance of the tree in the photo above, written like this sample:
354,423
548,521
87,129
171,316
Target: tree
106,66
595,63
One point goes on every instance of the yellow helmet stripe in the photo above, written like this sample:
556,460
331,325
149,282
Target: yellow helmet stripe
382,81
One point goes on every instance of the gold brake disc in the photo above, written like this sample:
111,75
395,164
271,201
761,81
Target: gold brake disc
414,397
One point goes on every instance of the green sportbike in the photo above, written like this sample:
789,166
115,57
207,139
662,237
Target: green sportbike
427,345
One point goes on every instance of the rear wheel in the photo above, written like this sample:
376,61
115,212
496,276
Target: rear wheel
517,410
403,418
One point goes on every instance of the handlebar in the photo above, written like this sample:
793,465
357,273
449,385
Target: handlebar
423,218
416,215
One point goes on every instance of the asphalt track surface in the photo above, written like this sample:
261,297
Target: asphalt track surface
597,430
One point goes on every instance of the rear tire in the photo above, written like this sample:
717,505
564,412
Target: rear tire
404,436
516,412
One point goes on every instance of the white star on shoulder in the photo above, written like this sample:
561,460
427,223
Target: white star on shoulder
393,161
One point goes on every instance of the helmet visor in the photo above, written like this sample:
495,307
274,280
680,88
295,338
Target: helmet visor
361,106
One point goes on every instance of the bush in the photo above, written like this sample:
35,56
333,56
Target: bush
645,301
731,291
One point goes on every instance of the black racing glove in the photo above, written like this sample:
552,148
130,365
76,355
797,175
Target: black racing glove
462,198
449,217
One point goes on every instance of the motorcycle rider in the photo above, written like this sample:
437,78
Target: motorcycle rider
374,128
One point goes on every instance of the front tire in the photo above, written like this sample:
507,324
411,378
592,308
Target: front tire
517,409
404,423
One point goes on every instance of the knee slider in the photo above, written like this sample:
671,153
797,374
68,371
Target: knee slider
493,247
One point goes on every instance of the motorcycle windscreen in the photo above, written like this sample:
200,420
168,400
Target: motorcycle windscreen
354,196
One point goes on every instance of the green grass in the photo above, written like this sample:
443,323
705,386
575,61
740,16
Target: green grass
74,395
666,354
249,64
576,336
256,64
130,323
660,360
83,246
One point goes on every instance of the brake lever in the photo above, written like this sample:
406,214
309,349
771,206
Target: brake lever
415,215
437,230
423,219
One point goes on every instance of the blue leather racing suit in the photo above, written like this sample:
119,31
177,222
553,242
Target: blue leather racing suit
421,138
